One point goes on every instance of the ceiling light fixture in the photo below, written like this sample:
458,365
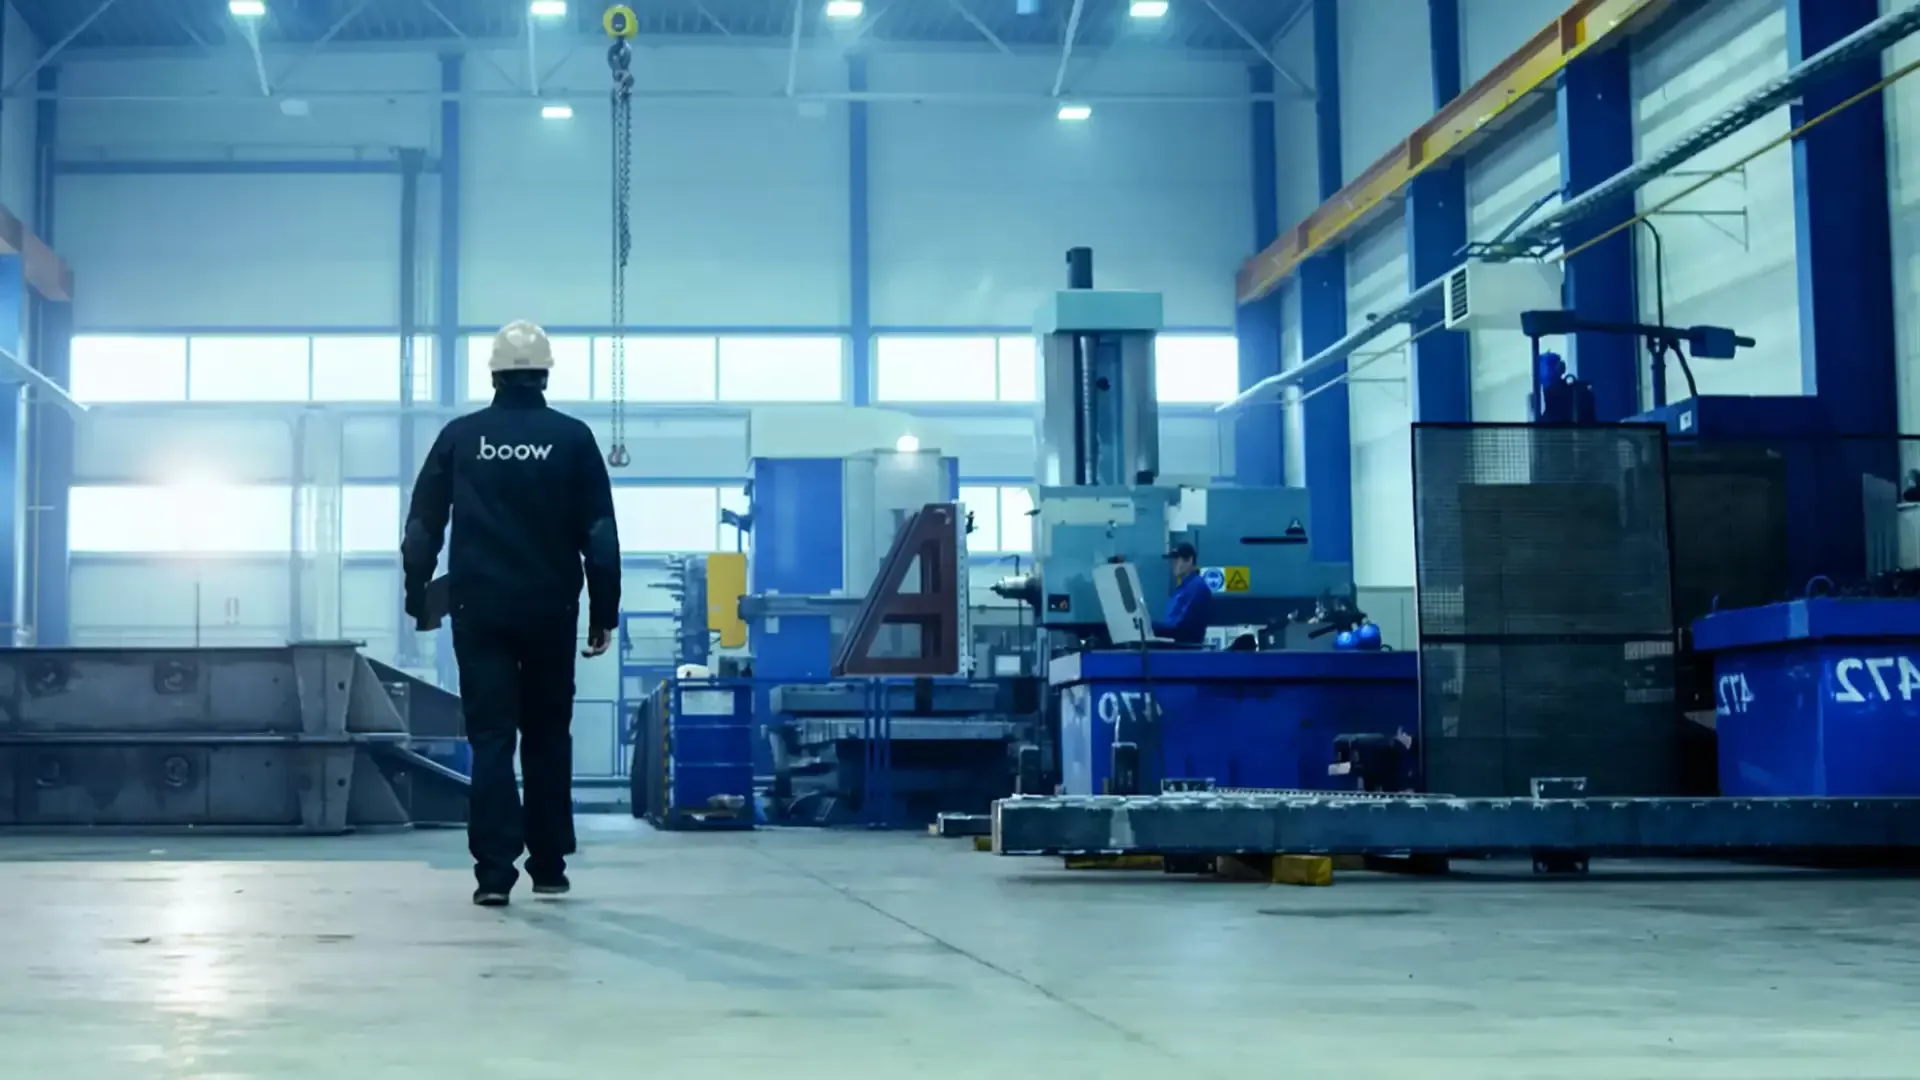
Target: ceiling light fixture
1148,9
247,9
548,9
556,112
845,9
1075,112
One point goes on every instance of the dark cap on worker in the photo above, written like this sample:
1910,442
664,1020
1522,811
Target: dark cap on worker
1183,551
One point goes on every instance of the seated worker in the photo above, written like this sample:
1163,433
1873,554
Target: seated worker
1187,605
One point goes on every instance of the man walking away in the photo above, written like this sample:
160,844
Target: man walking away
529,499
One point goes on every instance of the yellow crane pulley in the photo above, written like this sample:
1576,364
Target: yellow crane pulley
621,27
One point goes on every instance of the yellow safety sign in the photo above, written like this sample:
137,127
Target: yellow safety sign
1235,579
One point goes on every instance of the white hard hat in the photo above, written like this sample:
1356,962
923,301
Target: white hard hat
521,346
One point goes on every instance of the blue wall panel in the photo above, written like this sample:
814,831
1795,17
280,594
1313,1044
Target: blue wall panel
1842,232
1323,321
1596,141
1436,224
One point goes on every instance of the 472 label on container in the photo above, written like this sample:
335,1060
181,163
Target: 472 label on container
1859,680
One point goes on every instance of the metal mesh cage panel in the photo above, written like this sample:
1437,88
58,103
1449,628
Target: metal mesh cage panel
1545,607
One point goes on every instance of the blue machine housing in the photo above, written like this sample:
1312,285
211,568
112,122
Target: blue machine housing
1238,719
1263,531
1827,523
1817,697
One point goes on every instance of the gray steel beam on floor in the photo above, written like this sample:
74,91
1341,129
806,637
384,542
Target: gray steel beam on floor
1212,824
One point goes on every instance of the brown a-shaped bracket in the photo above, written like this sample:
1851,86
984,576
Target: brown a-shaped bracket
929,541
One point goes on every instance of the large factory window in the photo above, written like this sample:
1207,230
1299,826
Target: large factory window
660,518
1002,519
660,370
116,368
1196,369
120,368
249,368
779,369
227,519
933,368
366,367
928,368
370,519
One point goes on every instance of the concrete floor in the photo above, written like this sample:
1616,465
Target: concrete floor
796,954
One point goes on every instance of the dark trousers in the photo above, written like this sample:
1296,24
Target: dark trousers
517,682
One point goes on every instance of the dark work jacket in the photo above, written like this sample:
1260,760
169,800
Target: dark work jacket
1187,608
527,493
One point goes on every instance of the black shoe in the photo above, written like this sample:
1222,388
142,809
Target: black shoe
557,886
489,898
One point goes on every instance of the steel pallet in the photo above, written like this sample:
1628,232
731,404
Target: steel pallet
1219,824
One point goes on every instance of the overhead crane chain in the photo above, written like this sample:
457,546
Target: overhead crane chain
621,26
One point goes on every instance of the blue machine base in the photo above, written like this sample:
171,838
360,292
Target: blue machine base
1237,719
1817,697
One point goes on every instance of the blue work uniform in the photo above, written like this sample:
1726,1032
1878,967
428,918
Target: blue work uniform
1186,619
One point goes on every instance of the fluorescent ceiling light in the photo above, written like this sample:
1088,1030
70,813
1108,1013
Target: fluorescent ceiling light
845,9
247,9
548,9
1075,112
1148,9
556,112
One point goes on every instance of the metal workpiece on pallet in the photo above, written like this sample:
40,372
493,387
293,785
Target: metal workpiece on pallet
1214,824
302,738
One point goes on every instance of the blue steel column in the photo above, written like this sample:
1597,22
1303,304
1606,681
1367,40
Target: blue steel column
1436,224
52,465
448,359
1596,141
859,236
1842,232
1323,321
1259,454
53,427
13,310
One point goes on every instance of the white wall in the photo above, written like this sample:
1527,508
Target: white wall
1730,246
1380,409
1509,175
1386,79
973,206
1903,193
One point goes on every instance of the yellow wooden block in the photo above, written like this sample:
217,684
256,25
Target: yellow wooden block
983,843
1302,870
1113,862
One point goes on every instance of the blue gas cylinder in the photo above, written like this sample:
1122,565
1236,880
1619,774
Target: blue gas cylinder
1366,637
1344,640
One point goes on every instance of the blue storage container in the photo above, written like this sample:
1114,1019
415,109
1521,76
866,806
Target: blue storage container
1239,719
1817,697
693,760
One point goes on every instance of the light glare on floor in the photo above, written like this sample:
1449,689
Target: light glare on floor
1148,9
1075,112
548,9
246,9
845,9
556,112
